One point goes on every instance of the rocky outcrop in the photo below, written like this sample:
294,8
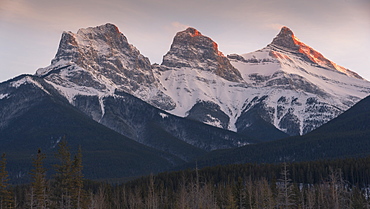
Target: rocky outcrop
191,49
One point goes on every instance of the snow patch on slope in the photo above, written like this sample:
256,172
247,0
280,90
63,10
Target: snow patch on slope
163,115
2,96
27,80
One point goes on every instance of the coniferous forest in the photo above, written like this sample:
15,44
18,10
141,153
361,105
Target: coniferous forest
341,183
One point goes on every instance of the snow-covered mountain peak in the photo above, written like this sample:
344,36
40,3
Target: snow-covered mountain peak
104,53
288,42
298,87
191,49
100,61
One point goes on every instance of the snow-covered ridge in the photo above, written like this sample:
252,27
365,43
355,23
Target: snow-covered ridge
287,83
27,80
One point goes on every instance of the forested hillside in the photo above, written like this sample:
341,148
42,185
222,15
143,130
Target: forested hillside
341,183
343,137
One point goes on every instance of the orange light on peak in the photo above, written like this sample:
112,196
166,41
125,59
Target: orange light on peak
117,30
215,47
297,41
278,55
196,33
313,55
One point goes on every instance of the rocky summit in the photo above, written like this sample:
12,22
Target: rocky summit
102,52
287,41
191,49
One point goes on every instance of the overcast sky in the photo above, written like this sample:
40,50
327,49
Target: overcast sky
30,30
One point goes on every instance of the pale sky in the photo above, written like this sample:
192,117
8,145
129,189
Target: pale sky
30,30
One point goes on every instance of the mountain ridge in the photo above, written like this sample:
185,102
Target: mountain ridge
284,83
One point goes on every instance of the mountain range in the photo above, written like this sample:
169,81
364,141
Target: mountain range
101,93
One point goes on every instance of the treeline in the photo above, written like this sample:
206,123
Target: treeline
341,183
64,190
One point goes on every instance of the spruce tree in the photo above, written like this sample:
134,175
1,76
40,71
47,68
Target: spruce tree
63,176
77,180
39,184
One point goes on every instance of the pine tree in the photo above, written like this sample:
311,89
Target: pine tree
239,193
63,177
39,185
77,180
6,200
69,191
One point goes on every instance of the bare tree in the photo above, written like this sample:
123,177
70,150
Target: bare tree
285,189
152,198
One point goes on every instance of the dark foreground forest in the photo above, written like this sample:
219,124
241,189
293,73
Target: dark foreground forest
342,183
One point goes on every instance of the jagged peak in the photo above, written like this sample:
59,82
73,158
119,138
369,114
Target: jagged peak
192,36
286,31
108,27
97,49
101,38
193,32
288,41
192,49
285,39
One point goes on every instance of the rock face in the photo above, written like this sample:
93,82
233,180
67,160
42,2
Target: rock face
285,39
191,49
104,51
